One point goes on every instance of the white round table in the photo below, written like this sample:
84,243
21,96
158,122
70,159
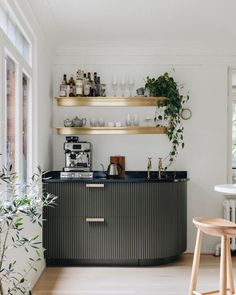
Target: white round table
226,188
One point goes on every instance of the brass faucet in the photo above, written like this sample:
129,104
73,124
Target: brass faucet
160,167
149,167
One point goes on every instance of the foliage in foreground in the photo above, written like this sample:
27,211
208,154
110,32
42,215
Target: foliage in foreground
19,204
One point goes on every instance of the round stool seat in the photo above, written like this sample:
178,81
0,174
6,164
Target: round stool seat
215,226
223,229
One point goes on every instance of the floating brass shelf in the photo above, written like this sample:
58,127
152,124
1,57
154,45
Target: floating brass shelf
108,101
109,130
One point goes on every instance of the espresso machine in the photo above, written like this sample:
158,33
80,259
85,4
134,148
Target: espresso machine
78,158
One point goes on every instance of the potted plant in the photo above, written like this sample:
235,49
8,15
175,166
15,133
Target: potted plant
171,110
20,203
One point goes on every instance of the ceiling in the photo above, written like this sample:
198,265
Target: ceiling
136,20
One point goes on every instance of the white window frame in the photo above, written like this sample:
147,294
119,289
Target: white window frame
231,98
7,48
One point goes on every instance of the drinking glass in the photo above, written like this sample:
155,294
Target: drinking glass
122,86
114,85
128,121
101,122
136,120
130,86
148,122
93,122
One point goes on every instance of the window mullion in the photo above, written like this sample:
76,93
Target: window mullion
2,94
231,124
18,120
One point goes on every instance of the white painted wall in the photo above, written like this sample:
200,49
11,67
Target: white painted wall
44,106
204,73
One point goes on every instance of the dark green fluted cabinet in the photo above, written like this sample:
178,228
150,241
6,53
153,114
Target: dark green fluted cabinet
115,223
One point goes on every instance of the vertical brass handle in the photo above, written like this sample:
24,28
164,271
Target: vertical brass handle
95,219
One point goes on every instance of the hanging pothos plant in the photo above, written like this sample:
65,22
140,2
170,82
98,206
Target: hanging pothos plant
166,86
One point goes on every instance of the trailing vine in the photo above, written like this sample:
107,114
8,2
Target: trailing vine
166,86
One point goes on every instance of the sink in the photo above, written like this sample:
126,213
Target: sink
99,176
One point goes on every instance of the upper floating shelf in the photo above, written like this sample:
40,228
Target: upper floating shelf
109,130
109,101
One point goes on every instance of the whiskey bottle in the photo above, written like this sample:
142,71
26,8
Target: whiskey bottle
93,87
72,86
90,83
87,86
63,86
95,82
98,87
79,84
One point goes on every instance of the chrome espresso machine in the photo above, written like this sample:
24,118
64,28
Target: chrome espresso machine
78,158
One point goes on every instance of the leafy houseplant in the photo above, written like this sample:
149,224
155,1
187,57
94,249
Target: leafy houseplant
166,86
18,204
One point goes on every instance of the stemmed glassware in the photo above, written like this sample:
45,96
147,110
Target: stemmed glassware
114,85
130,85
122,86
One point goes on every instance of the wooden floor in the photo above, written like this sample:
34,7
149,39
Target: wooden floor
171,279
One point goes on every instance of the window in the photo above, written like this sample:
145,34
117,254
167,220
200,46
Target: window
10,114
16,109
15,34
232,96
25,120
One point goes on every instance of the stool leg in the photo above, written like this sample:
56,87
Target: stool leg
230,276
223,266
196,259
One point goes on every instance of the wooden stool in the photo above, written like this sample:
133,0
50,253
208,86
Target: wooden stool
221,228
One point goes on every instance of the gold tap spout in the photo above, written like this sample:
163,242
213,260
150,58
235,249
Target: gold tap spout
149,167
160,167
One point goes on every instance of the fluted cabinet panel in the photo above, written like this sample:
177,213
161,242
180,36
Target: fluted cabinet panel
137,222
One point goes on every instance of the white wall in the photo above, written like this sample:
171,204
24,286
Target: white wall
204,73
44,106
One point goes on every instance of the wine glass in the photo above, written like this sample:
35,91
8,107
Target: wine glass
114,85
128,120
130,86
122,86
136,120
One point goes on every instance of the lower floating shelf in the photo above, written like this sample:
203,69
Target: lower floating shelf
109,130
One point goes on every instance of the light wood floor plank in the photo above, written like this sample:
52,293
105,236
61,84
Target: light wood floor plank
170,279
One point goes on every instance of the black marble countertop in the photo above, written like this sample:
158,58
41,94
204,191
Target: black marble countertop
130,176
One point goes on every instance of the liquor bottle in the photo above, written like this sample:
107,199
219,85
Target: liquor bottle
95,77
63,86
72,86
90,83
98,87
89,77
87,86
95,82
79,84
93,87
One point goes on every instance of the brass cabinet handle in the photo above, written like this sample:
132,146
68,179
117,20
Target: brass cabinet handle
95,219
94,184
